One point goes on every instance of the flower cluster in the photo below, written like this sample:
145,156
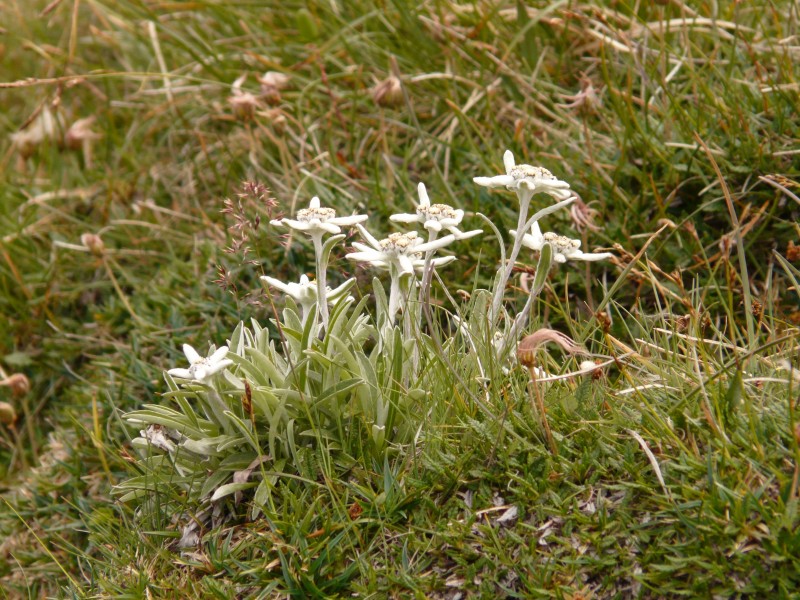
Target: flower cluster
526,181
336,368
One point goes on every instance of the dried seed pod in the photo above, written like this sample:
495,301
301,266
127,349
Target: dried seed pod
388,93
272,82
526,351
94,243
19,384
7,413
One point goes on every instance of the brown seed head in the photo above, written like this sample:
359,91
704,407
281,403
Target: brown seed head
94,243
526,352
7,413
272,82
80,132
18,383
388,93
792,252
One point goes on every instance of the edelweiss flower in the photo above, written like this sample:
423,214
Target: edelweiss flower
201,368
316,220
435,217
564,248
526,177
305,292
403,250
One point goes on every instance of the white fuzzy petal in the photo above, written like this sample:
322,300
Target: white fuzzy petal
369,237
438,262
219,354
406,266
314,202
298,225
433,226
496,181
591,257
217,367
508,160
191,354
277,284
180,373
559,194
423,195
328,227
363,247
405,218
348,221
436,244
465,235
366,256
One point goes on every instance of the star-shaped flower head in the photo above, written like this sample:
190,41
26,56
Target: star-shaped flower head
305,292
317,221
564,248
435,217
526,177
201,368
402,250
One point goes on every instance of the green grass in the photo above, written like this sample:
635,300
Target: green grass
94,333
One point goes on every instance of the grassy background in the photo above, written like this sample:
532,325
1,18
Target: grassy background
662,115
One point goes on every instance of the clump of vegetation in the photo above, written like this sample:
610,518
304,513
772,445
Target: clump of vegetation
336,383
641,441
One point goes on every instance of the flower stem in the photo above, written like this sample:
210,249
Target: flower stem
427,276
322,280
394,297
525,196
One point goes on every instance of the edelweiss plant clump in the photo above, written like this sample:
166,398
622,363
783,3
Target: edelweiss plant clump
333,375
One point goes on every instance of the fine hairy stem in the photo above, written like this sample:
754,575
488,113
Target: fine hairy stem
395,294
525,196
322,281
427,276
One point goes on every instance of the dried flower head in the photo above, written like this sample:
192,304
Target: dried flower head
588,100
583,216
272,82
792,252
7,413
94,243
244,104
80,136
46,126
388,93
17,383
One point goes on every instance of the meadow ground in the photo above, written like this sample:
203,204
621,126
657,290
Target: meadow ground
672,473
